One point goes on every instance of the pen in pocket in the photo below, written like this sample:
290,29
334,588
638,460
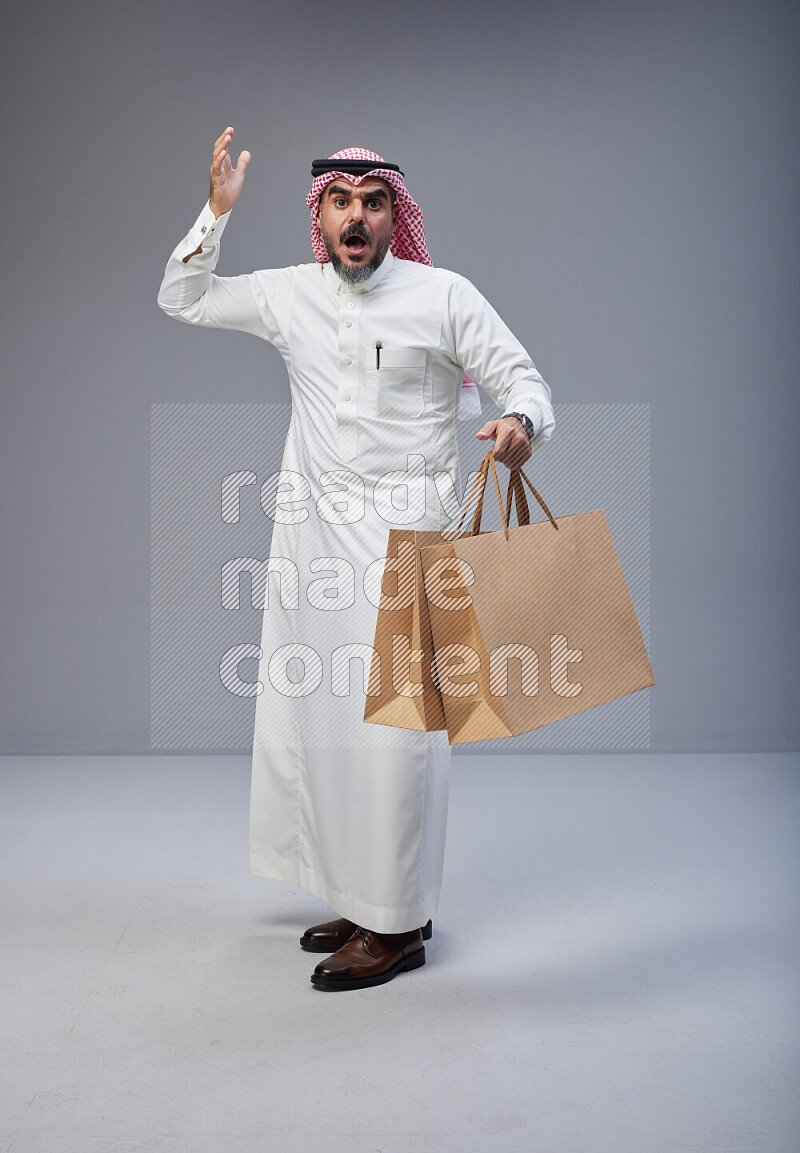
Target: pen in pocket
378,347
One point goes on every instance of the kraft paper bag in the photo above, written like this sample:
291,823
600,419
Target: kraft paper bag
529,624
402,690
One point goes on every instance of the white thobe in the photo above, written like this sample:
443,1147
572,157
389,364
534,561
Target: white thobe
353,812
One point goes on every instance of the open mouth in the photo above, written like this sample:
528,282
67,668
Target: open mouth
355,245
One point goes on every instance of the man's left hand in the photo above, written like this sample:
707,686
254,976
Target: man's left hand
512,446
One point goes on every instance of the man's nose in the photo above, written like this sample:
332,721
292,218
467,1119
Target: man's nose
356,210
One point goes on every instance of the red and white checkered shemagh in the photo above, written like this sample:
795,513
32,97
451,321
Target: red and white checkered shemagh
407,243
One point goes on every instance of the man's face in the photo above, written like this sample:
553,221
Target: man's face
356,222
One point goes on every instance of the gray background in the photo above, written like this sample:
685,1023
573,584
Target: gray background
619,179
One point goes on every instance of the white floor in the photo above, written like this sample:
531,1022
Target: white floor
613,968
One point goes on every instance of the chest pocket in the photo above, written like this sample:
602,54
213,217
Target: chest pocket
396,390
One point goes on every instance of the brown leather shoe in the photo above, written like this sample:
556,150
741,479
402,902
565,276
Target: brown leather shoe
370,959
331,935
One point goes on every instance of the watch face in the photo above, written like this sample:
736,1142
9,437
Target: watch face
526,421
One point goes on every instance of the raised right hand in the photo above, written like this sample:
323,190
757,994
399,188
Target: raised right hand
226,181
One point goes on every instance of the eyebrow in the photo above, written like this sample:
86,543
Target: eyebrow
370,194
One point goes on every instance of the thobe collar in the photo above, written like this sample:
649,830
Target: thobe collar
340,287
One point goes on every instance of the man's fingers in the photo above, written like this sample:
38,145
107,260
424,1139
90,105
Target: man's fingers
220,157
504,439
512,452
220,149
512,447
222,144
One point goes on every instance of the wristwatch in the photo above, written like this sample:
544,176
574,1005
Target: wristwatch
527,422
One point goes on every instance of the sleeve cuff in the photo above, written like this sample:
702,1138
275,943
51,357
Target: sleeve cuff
207,229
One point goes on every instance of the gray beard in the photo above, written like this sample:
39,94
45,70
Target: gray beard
356,273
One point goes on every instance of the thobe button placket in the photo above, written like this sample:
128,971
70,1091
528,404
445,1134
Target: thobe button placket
347,398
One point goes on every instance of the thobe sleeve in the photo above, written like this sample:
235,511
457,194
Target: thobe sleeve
478,340
191,292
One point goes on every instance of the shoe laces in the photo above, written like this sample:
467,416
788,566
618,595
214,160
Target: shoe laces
370,943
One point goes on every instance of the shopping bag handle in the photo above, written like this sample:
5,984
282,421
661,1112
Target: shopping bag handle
515,479
517,491
514,488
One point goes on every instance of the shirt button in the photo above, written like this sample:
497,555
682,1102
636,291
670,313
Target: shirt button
347,396
349,360
350,304
348,324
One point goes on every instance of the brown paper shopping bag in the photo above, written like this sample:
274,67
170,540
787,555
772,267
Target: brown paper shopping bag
529,624
402,691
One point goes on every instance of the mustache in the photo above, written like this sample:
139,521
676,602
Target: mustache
356,230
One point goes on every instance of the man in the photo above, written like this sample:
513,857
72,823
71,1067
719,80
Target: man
376,343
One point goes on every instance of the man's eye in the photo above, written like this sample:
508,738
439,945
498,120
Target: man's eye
339,201
374,203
